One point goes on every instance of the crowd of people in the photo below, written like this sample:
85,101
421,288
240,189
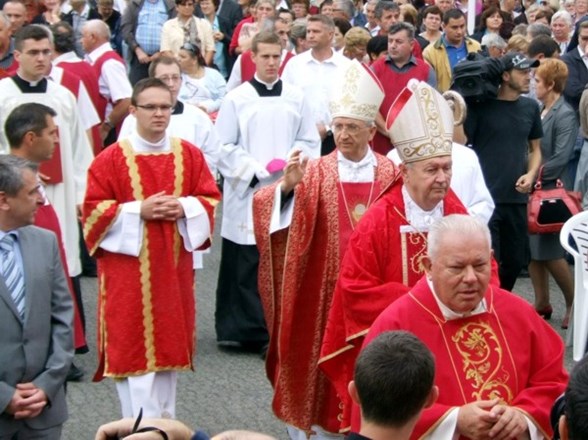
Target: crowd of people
374,221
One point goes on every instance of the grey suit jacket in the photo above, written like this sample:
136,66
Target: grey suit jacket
560,129
40,349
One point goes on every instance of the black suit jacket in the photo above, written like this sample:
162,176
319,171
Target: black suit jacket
92,15
577,78
231,12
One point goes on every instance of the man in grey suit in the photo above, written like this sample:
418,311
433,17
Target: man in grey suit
36,312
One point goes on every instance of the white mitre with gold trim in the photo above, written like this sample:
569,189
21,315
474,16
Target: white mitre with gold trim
356,93
420,123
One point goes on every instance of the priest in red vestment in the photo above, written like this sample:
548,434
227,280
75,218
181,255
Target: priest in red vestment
499,366
384,254
149,205
302,225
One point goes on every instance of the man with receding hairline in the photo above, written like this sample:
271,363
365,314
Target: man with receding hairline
510,361
17,14
113,81
36,311
313,70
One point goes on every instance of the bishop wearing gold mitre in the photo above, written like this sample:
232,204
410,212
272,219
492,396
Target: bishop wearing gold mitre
383,258
302,225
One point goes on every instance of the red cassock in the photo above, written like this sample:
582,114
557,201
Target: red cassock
507,352
46,218
146,305
383,260
298,270
87,75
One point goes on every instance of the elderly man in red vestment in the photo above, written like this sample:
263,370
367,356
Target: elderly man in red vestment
383,259
149,205
499,365
302,225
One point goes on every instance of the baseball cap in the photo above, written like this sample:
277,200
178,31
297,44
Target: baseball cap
516,60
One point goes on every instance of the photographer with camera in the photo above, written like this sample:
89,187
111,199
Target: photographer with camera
505,132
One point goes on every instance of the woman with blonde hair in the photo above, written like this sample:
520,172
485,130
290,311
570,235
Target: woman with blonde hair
356,40
559,135
517,43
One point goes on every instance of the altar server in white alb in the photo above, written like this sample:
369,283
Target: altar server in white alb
66,171
260,123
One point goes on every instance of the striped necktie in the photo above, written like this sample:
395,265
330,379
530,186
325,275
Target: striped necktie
12,273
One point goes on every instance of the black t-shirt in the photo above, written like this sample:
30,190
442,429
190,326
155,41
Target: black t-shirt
499,132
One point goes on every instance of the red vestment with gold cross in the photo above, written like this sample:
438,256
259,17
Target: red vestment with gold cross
382,262
507,352
146,305
298,269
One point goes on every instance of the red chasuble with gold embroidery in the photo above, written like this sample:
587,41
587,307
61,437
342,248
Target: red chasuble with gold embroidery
507,352
298,269
146,305
382,262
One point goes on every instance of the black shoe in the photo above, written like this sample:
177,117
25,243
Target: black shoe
90,272
74,374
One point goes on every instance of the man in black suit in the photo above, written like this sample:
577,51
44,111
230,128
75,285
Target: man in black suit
577,67
36,312
230,11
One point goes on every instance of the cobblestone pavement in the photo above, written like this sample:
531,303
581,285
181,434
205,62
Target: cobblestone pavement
226,391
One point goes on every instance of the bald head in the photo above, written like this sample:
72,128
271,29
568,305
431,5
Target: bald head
94,34
98,28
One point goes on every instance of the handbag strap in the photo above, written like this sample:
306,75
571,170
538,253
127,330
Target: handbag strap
539,182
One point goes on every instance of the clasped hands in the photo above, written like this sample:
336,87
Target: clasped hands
491,420
27,401
161,207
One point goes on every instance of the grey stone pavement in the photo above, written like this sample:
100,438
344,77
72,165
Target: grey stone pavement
226,390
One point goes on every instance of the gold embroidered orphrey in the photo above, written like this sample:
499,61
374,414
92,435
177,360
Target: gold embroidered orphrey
348,100
434,141
482,361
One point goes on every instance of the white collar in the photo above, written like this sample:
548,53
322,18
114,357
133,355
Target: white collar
368,159
68,56
449,314
417,217
141,145
269,86
98,52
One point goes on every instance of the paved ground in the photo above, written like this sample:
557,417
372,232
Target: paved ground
227,390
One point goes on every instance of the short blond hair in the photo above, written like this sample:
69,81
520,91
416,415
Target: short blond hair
517,43
357,37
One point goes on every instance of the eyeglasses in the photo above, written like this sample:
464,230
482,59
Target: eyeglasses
173,78
154,108
350,129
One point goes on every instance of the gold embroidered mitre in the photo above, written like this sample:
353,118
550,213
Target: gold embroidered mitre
356,93
420,123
